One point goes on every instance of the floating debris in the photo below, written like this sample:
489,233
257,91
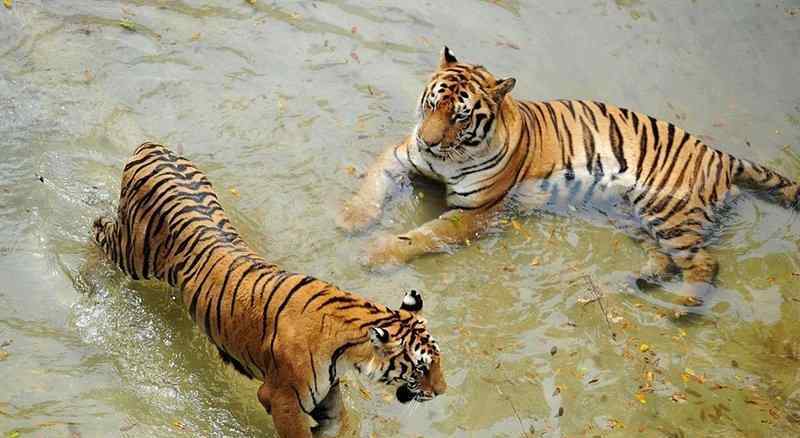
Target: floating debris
127,25
679,397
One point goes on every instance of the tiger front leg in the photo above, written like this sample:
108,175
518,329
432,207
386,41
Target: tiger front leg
289,420
330,415
454,227
382,179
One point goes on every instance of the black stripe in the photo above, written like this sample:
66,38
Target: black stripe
306,280
643,147
587,110
617,146
283,277
588,145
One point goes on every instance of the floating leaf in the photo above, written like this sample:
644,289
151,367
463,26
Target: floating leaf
641,397
644,348
235,192
127,25
3,355
679,397
364,393
615,424
688,372
535,261
350,170
7,4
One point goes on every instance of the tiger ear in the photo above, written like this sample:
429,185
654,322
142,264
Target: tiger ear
378,336
412,302
447,58
503,87
382,342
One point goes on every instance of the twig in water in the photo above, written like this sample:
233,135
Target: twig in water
598,296
513,408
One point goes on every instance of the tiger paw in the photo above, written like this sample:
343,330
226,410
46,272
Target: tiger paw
388,250
353,217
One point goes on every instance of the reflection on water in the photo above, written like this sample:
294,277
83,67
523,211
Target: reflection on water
284,104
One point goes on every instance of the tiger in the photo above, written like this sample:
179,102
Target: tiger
496,155
293,332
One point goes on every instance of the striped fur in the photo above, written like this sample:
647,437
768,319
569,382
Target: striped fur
294,332
492,152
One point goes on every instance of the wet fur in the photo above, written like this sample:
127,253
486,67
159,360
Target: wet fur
294,332
493,152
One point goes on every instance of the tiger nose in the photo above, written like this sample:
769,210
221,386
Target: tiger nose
440,388
430,140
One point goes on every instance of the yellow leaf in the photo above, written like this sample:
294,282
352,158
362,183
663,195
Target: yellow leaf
516,225
3,355
364,393
127,25
179,425
7,4
644,348
235,192
535,261
641,398
252,2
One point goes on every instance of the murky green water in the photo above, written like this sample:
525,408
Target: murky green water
277,101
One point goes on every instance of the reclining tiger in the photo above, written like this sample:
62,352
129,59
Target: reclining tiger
494,154
295,333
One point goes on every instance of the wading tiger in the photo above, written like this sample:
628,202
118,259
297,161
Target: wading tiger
493,154
294,332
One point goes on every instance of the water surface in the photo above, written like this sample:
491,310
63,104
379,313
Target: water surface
285,104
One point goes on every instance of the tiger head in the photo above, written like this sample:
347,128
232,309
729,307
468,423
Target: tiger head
457,112
407,354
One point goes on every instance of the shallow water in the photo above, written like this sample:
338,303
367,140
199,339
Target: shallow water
284,104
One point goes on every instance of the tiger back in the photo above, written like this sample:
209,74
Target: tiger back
294,332
496,154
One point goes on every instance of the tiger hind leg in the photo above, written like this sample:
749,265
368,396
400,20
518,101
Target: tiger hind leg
685,247
659,266
699,272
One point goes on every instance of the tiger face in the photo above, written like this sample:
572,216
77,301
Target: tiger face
457,112
409,356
